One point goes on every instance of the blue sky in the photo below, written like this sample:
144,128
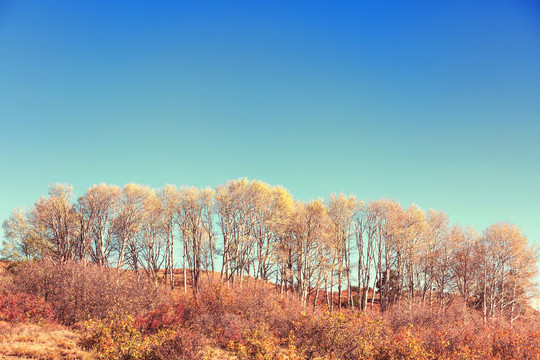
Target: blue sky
436,103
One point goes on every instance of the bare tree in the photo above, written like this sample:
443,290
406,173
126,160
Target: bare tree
508,265
410,248
403,254
233,204
465,266
439,255
341,211
133,210
97,211
368,221
196,225
311,232
21,240
170,198
54,219
387,250
152,242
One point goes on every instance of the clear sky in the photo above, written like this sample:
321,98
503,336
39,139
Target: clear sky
432,102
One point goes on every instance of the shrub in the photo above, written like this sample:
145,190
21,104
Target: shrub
181,344
24,307
257,344
459,333
123,338
405,345
165,315
117,338
225,313
79,292
340,335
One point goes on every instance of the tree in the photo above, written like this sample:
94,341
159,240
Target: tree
465,266
443,246
262,213
54,220
388,248
152,242
437,256
194,216
228,213
134,203
410,247
170,198
97,211
234,205
403,254
508,267
307,252
341,211
368,221
21,241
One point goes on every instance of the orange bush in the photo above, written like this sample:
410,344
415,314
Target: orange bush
123,338
225,314
257,344
339,335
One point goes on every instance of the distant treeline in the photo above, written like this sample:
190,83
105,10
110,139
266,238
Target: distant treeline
250,228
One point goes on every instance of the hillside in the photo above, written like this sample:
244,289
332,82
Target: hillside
71,311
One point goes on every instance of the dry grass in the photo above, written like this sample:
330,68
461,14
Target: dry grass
217,353
47,342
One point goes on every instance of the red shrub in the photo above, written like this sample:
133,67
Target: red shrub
24,307
79,292
166,315
227,314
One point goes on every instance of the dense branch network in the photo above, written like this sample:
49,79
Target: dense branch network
314,250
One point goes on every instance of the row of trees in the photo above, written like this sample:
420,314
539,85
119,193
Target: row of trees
311,249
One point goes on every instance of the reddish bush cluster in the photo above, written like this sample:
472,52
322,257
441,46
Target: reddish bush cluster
23,307
78,292
228,314
166,315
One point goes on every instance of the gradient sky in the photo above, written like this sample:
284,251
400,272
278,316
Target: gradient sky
431,102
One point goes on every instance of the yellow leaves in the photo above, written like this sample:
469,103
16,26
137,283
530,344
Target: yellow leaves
509,251
133,192
257,344
341,208
283,201
60,191
194,201
169,198
102,191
